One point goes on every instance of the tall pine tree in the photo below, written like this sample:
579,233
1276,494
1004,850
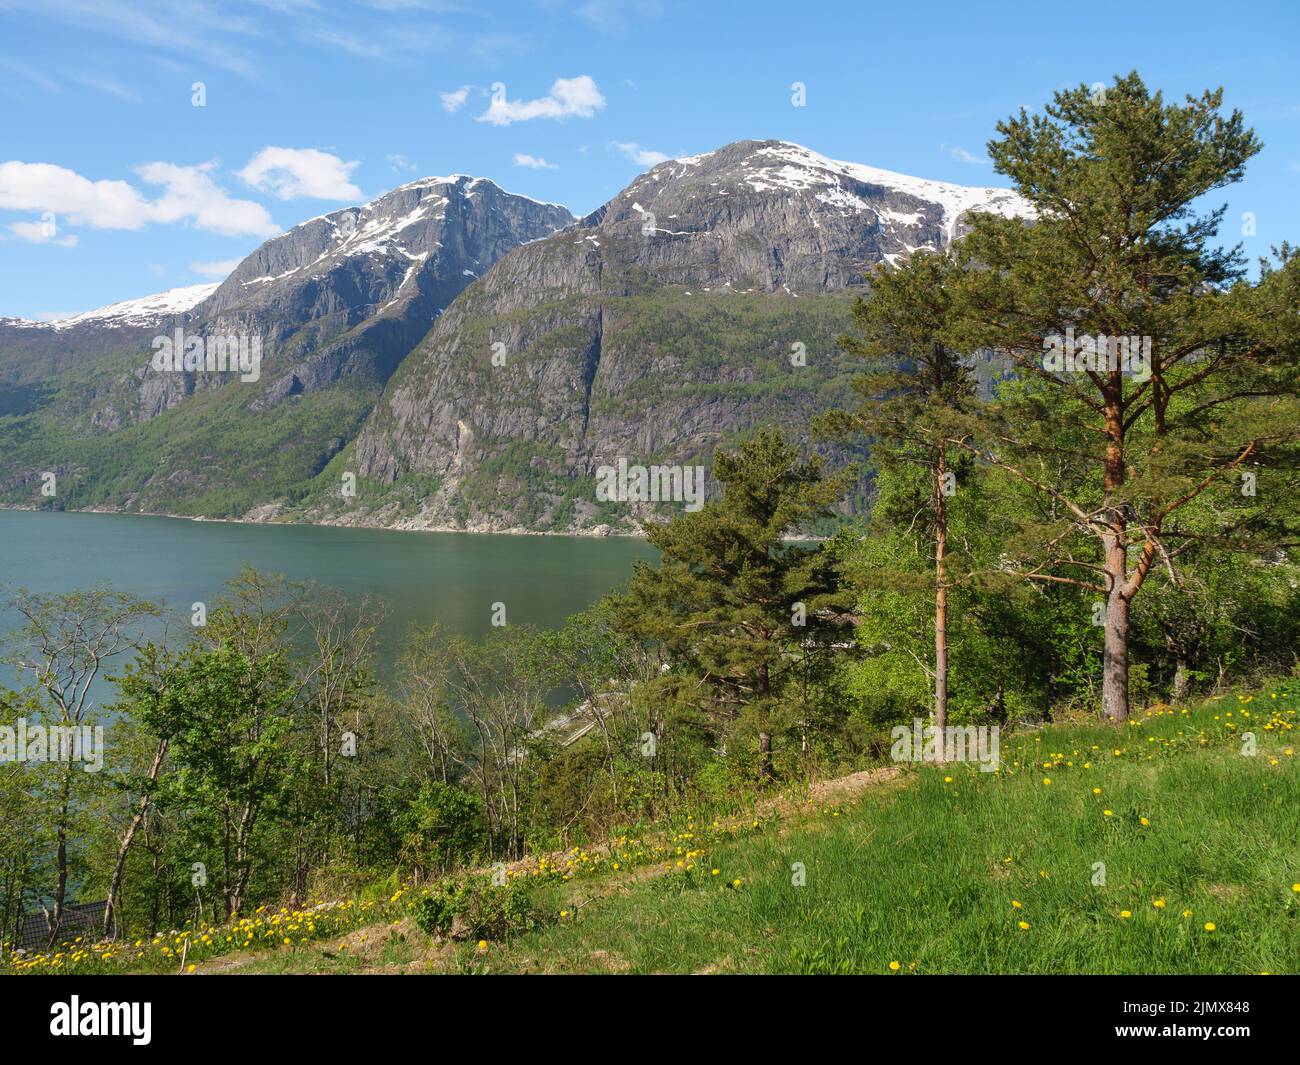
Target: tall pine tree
1149,367
914,385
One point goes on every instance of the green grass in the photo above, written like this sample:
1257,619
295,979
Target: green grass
925,870
926,875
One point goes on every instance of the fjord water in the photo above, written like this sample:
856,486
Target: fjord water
453,578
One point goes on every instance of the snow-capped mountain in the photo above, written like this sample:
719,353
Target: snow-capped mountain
659,325
824,221
148,310
351,292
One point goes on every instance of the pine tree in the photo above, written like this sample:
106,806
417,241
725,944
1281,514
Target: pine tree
915,383
735,605
1150,370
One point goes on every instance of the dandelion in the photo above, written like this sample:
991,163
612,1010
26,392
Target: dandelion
1047,780
1126,914
1015,904
1187,913
1210,926
1108,813
1023,926
1096,791
894,966
1145,821
1159,904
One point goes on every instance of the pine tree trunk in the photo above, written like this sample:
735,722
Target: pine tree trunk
941,606
1114,677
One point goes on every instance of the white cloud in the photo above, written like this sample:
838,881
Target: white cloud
453,101
41,233
534,162
569,97
293,173
219,270
963,156
190,195
46,187
400,163
641,156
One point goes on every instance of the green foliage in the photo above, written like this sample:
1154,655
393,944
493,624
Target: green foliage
741,613
476,908
442,828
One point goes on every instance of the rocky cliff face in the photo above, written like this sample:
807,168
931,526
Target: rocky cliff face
336,303
350,293
699,302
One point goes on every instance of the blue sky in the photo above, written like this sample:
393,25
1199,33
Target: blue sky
113,185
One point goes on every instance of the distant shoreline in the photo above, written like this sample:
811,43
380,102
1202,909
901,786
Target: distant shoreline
587,534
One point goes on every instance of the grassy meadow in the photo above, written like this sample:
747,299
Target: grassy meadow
937,869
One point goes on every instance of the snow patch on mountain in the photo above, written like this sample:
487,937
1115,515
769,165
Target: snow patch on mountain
798,169
138,312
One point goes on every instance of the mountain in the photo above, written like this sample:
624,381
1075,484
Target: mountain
470,358
35,351
335,304
701,301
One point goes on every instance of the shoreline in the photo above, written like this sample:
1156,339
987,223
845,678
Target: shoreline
515,531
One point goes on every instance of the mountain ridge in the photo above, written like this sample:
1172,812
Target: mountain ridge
612,331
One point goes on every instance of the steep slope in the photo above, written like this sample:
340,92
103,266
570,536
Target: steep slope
335,304
702,300
32,352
